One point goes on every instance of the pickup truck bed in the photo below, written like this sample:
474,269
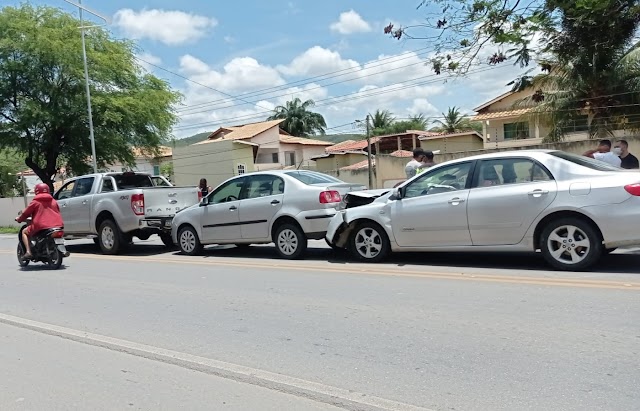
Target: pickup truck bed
112,208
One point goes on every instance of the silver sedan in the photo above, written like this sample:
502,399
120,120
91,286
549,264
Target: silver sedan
571,208
286,207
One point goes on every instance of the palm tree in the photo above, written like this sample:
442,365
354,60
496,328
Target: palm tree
298,120
419,122
452,122
381,121
597,96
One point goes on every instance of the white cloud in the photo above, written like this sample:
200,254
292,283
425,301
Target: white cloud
316,61
239,75
229,39
170,27
350,22
146,59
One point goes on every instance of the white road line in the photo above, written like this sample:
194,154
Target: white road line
339,397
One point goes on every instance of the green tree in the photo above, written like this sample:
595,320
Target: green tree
453,121
384,123
381,121
43,112
298,119
465,33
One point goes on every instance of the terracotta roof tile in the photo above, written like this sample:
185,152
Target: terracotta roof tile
163,151
244,131
302,140
402,153
500,114
362,165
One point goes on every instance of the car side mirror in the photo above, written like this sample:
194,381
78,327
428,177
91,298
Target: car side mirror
398,193
204,202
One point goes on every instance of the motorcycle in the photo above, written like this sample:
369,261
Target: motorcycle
47,246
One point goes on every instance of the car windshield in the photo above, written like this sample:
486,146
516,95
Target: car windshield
309,177
124,181
585,161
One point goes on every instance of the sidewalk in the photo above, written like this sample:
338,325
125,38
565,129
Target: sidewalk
41,372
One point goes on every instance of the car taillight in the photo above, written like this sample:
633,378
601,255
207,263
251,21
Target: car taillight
57,234
328,197
137,204
633,189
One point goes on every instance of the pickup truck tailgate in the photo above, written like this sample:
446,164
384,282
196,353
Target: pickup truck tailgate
167,201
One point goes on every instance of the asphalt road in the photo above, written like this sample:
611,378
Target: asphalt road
244,330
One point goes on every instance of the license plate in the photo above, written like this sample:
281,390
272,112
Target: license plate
59,240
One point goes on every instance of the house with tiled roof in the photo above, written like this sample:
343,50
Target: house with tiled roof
145,161
238,149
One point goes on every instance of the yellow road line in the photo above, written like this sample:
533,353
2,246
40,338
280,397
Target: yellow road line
395,272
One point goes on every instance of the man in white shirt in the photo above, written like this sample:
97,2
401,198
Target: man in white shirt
603,153
414,166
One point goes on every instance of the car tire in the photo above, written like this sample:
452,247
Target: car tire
369,242
333,246
188,241
110,238
571,244
290,241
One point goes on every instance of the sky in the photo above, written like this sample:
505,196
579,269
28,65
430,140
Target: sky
234,62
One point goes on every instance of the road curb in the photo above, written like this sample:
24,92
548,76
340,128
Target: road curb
350,400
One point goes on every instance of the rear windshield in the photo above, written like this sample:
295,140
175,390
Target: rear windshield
585,161
124,181
309,177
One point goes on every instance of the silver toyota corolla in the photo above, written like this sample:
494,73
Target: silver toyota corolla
285,207
572,208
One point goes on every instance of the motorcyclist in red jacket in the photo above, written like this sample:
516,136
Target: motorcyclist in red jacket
44,213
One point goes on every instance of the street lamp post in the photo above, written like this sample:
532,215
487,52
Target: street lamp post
86,76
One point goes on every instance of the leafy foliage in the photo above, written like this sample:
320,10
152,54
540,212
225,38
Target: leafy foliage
469,32
298,119
454,121
43,112
383,122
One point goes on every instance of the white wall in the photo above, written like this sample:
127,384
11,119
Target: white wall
9,208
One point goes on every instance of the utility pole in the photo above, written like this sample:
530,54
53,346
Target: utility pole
369,154
86,74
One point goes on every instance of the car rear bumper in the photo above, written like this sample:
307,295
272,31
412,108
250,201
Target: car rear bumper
315,221
618,223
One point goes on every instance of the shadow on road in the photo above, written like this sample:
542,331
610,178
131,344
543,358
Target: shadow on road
627,262
137,249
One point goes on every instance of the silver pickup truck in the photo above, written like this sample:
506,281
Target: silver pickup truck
112,208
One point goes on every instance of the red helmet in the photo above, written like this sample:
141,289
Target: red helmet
42,188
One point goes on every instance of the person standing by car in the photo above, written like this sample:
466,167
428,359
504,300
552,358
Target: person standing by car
603,153
428,160
204,188
628,160
414,166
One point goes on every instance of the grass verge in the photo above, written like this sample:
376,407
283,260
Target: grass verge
9,230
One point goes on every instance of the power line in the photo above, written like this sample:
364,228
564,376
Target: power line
333,100
214,103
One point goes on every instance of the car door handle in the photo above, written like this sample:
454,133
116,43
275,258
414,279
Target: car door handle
84,202
64,204
456,201
233,208
538,193
274,202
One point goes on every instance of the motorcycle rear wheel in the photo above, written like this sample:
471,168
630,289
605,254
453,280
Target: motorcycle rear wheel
54,260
